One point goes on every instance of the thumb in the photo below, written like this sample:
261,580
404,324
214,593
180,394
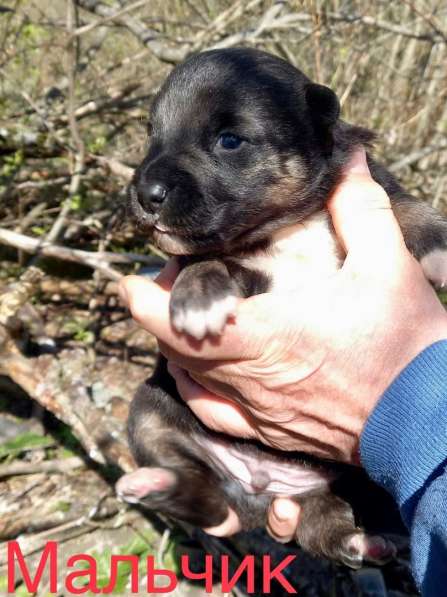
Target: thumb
148,302
362,215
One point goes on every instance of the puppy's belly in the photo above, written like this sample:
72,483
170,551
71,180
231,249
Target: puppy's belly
262,473
297,256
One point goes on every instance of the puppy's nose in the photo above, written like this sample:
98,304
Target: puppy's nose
157,192
152,195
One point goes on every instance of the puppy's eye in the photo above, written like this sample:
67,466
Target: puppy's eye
229,141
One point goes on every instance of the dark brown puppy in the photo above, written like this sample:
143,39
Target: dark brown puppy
244,152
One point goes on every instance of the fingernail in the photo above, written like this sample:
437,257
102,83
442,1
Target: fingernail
122,291
357,162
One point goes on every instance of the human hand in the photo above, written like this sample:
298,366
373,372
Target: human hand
289,360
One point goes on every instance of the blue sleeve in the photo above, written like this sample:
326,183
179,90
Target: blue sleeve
404,449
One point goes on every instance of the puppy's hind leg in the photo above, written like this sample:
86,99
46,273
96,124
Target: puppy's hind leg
186,494
173,479
425,234
327,527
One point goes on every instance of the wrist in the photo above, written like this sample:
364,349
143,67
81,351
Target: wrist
403,443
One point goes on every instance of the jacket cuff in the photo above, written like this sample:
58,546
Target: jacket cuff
404,442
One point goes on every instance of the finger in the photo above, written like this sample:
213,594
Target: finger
149,305
283,519
230,526
215,412
220,378
168,274
362,215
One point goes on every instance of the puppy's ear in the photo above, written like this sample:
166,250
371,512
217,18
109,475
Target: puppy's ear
324,109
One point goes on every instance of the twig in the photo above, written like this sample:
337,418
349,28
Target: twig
197,11
43,380
415,156
291,19
268,22
222,21
398,29
97,261
164,542
148,37
49,126
19,293
439,190
114,166
41,184
23,371
316,42
65,465
427,18
82,525
31,216
25,374
120,13
79,153
94,106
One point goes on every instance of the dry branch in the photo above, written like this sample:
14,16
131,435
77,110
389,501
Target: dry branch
65,465
33,543
42,379
99,22
13,524
415,156
148,37
97,260
222,22
387,26
79,151
19,293
93,107
266,23
115,166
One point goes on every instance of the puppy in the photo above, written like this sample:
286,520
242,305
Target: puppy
245,151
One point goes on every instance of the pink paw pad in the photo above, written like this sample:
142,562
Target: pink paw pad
138,484
373,548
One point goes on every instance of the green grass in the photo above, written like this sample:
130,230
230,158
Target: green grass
22,443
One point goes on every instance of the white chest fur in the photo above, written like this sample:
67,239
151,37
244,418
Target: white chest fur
299,254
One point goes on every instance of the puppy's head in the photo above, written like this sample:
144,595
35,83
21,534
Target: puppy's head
241,145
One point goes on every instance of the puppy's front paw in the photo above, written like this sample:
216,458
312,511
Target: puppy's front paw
198,317
203,297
